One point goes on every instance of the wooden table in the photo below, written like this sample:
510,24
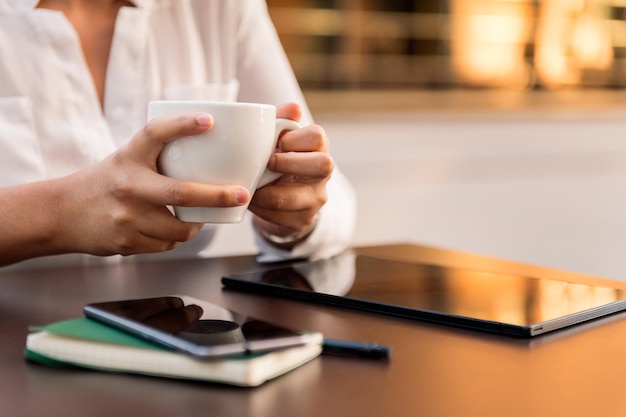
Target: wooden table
435,370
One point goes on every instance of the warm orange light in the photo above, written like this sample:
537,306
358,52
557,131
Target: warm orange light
488,41
489,38
572,36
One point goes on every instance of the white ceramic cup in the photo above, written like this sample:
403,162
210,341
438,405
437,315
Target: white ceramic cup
234,151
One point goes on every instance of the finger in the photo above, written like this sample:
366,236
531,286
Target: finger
291,111
313,165
287,222
289,197
168,191
156,133
151,187
308,139
140,243
165,227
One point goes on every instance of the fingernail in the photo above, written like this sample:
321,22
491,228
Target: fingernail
242,196
204,119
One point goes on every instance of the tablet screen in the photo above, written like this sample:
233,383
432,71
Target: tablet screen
504,303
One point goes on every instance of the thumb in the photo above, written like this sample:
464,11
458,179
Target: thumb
290,111
149,141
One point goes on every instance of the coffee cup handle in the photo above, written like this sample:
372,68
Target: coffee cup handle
281,125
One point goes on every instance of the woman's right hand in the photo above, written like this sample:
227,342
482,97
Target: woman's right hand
118,206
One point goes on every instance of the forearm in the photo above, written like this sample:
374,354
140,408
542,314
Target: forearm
29,223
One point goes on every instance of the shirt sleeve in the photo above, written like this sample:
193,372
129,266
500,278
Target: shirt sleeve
262,67
265,75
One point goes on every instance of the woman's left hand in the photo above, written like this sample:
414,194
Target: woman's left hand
289,206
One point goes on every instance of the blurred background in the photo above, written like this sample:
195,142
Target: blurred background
490,126
520,44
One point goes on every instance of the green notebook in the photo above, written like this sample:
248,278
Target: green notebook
86,343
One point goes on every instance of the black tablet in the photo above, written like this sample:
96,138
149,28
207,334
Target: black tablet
510,304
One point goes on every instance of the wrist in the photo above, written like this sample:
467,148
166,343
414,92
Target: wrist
289,240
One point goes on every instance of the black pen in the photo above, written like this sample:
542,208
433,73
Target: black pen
355,349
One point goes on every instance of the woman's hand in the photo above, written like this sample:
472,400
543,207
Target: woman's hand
290,205
119,204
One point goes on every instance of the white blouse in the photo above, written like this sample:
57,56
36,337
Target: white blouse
51,122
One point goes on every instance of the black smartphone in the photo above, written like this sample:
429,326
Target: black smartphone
197,327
